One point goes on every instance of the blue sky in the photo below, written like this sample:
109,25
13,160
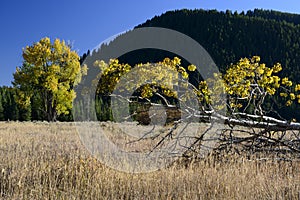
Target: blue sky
87,23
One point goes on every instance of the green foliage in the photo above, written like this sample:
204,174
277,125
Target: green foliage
47,77
1,108
228,37
275,15
9,109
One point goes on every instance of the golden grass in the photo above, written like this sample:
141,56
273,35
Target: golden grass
48,161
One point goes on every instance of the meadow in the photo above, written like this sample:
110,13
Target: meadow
48,161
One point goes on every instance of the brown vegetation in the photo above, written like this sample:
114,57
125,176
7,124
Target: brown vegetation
48,161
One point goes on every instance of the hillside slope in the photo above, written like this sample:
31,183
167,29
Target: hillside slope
228,36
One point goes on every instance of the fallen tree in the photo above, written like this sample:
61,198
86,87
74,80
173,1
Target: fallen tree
244,100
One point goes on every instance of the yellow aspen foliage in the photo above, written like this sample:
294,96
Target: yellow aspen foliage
192,68
246,82
292,96
297,87
286,81
249,79
148,78
49,70
289,103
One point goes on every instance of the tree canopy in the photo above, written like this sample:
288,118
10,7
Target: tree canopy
48,75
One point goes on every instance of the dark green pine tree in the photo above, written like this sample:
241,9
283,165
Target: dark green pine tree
2,117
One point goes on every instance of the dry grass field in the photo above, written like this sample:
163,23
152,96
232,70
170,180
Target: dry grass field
48,161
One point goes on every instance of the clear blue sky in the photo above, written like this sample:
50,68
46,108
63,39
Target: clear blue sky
87,23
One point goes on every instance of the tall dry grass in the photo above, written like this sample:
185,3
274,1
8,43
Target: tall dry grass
48,161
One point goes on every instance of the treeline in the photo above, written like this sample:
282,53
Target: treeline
10,110
228,36
275,15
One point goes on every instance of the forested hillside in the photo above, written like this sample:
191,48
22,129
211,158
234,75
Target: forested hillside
227,36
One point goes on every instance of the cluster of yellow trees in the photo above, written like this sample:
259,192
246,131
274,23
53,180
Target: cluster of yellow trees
52,70
244,83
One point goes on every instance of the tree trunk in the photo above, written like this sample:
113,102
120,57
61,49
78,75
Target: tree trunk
51,108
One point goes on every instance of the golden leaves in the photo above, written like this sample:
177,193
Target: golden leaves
192,68
297,87
287,82
247,80
148,77
52,68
